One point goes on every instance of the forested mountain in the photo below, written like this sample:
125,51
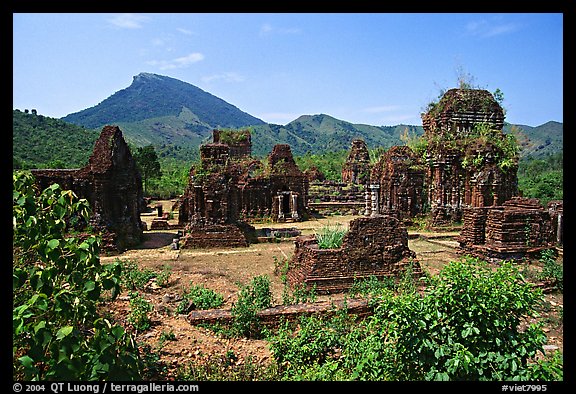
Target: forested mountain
43,141
177,117
157,110
537,142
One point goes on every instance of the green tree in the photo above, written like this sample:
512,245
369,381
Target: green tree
148,164
58,284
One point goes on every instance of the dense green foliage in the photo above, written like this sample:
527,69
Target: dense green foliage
467,325
58,284
328,163
252,297
44,142
542,178
172,182
199,297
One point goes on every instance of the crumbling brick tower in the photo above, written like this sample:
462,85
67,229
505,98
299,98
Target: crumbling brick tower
397,179
112,185
471,162
230,186
356,169
288,186
208,208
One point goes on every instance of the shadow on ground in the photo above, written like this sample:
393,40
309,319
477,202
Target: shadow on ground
156,239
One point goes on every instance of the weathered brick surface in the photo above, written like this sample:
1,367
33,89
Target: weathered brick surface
519,228
372,246
400,176
356,169
451,185
112,185
274,315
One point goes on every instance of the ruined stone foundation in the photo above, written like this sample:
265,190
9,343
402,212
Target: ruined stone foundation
375,245
517,229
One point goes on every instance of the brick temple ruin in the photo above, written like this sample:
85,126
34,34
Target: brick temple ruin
230,189
519,228
356,169
373,246
112,185
466,166
397,184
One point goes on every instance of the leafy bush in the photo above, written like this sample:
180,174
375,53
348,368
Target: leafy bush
467,326
472,323
139,312
252,298
57,281
552,270
199,297
371,286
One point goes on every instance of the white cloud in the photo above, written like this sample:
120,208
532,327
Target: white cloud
128,21
185,31
267,28
179,62
226,77
157,42
489,28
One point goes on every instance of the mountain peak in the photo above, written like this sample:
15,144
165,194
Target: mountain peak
155,96
143,76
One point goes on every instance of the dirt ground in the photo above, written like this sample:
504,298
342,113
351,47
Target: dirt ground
222,270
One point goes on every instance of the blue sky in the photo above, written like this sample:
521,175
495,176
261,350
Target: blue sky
370,68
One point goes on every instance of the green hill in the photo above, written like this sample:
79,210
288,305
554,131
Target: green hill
322,133
537,142
177,117
40,141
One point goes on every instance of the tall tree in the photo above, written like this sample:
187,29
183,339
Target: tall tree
148,164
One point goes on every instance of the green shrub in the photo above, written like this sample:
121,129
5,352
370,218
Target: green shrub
57,281
330,237
140,309
199,297
552,270
473,322
252,298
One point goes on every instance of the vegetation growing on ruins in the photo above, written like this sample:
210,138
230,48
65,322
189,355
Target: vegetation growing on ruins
330,237
233,137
